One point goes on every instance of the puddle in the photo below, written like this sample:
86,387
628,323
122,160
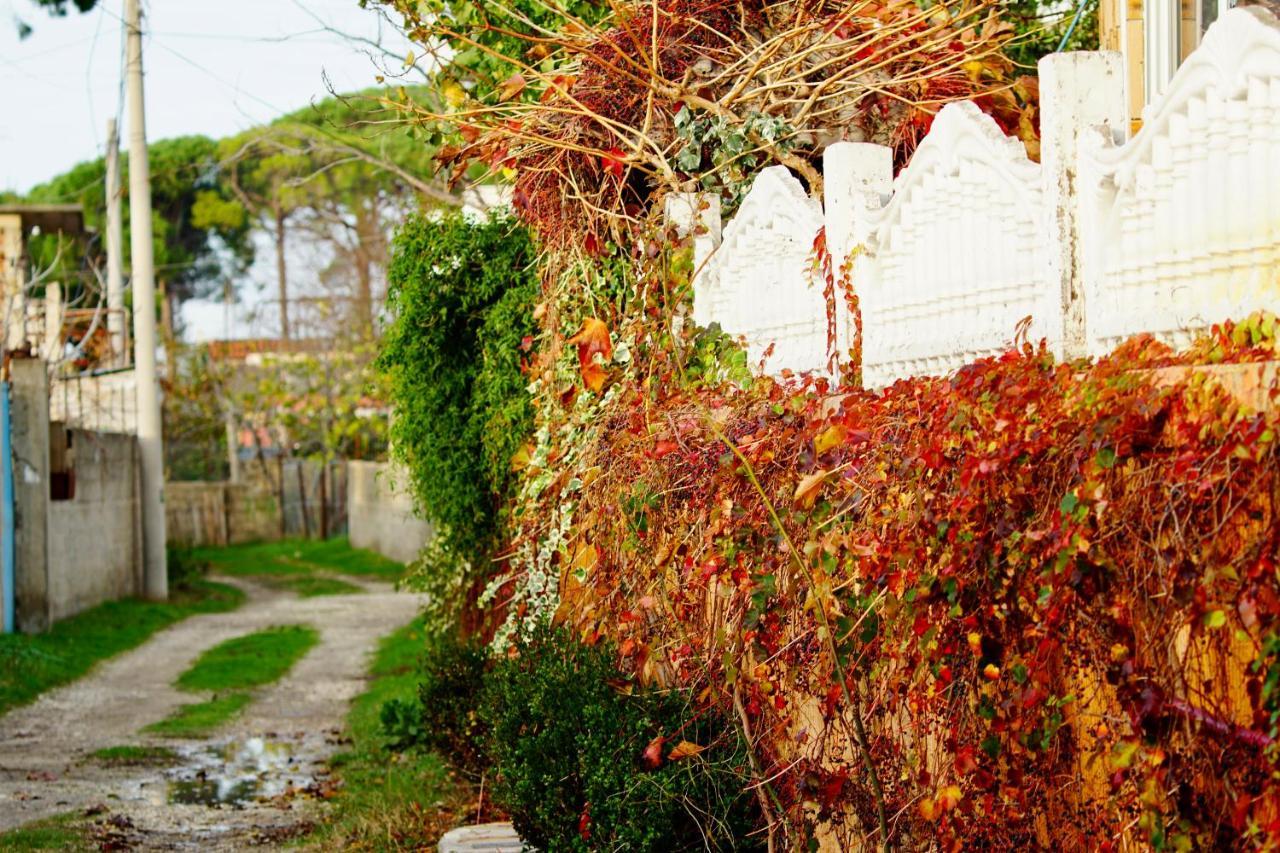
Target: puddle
234,774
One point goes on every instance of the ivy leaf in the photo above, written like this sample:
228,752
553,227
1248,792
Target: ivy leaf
828,438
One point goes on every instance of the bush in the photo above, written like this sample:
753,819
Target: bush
569,752
184,567
453,677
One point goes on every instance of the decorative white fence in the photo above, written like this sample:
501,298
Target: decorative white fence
1175,230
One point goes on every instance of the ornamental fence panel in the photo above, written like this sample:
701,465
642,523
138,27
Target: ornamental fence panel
973,242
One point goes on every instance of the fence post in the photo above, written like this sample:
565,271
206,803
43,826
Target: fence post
858,176
1078,91
8,550
696,214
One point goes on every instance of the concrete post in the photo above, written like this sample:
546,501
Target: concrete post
697,214
150,443
1078,91
30,436
51,350
115,242
858,176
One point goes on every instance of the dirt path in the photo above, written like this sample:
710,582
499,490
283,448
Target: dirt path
278,744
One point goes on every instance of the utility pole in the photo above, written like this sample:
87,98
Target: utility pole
115,265
155,574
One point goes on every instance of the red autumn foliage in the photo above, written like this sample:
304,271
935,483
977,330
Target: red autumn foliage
1052,589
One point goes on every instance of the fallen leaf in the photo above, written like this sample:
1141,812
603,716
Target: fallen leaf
652,755
511,87
612,161
685,749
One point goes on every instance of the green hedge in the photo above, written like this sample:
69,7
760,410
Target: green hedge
461,292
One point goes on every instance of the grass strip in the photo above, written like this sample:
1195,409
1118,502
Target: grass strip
249,661
60,832
388,800
135,756
312,586
300,557
32,664
201,718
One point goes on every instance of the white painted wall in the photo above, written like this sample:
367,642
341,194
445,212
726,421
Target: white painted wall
1168,233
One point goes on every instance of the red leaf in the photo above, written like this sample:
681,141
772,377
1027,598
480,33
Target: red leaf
612,161
652,756
591,339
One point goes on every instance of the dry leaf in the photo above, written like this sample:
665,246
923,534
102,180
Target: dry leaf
807,491
685,749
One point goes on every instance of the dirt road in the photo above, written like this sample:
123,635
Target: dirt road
233,789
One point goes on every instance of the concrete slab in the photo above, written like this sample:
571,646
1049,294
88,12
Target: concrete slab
500,837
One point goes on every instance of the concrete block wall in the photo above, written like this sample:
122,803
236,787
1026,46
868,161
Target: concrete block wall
78,543
380,513
94,537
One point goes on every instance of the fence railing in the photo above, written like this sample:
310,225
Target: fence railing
1167,233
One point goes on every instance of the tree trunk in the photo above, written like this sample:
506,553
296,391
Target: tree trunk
281,276
366,237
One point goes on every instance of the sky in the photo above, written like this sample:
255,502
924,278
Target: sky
213,67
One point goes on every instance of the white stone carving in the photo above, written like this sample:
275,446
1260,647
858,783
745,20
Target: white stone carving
1182,224
959,254
757,286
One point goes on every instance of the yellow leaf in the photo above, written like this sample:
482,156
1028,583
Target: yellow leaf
454,94
949,797
829,438
685,749
522,457
807,491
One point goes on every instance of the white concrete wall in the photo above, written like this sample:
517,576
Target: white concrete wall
380,514
1168,233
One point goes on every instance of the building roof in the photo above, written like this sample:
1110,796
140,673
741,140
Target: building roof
49,218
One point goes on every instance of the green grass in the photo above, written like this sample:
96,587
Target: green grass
32,664
310,586
388,800
62,832
200,718
135,756
229,670
249,661
298,557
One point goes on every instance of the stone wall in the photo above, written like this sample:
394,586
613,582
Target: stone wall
380,514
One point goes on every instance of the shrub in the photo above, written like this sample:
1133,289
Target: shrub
183,566
453,677
570,752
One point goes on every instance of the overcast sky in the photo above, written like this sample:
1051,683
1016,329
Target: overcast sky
212,67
